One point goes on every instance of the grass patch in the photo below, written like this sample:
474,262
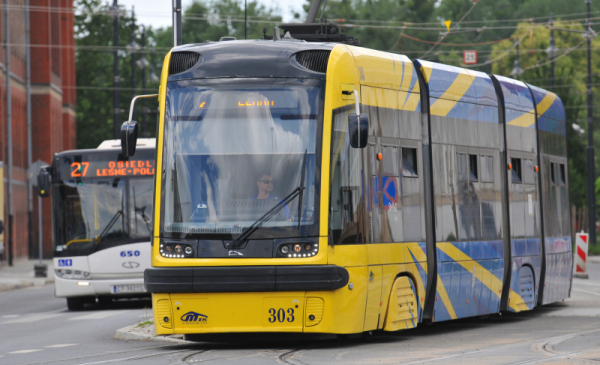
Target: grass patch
144,324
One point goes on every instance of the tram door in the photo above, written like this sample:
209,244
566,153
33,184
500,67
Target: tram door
525,240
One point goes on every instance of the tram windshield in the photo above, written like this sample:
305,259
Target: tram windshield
101,202
234,149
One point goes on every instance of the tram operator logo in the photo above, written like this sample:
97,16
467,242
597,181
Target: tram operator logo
194,318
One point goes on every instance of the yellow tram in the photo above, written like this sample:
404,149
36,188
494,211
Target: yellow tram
322,187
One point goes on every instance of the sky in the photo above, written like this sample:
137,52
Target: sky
158,12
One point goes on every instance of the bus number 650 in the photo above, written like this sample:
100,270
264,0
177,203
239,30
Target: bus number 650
280,315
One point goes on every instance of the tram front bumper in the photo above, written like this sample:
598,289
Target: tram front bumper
254,299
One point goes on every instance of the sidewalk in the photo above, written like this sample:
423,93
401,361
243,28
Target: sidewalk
21,274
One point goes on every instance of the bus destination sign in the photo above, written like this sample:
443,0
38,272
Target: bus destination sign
87,169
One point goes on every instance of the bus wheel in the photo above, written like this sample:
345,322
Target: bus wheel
75,304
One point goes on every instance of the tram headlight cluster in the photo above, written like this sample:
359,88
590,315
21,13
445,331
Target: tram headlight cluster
176,250
298,250
71,274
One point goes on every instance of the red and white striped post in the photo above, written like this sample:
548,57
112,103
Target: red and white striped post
581,258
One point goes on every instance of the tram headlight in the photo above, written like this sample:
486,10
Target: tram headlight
285,249
178,249
168,248
297,248
188,250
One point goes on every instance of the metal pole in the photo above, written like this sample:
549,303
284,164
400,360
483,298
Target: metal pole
245,19
176,23
552,46
133,50
312,11
143,57
116,107
8,132
29,153
40,225
590,149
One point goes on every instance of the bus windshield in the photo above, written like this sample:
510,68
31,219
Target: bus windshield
234,149
96,211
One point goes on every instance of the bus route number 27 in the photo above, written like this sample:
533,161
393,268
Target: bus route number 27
281,315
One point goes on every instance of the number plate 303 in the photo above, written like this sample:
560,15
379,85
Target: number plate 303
283,312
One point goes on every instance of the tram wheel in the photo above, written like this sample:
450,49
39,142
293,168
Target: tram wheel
75,304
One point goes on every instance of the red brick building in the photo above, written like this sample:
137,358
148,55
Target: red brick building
52,105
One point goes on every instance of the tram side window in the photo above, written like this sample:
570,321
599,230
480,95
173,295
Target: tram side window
462,167
473,175
517,177
528,172
487,168
552,179
561,177
409,162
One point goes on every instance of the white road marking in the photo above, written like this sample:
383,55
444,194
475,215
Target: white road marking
98,315
34,318
10,316
574,312
586,291
25,351
62,345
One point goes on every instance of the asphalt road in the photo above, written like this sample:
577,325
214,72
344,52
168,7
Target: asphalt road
36,328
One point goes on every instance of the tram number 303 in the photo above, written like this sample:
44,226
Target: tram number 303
281,315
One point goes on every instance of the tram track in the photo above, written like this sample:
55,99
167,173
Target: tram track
505,347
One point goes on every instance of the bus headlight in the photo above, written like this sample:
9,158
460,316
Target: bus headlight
71,274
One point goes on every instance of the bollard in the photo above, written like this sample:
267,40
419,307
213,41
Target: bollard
581,258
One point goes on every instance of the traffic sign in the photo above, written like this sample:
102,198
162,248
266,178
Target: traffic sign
469,57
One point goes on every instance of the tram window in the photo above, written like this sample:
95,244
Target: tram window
552,180
562,177
462,167
528,174
517,177
390,161
372,159
473,173
409,162
487,168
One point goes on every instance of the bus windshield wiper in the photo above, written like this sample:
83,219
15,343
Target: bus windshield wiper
236,243
106,230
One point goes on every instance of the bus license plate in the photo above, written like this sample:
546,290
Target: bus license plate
136,288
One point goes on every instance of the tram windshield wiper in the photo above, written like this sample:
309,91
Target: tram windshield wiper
236,243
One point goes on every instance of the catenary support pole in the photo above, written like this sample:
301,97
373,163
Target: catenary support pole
117,110
176,23
591,175
133,51
143,58
8,132
551,49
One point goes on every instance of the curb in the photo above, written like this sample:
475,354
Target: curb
24,284
146,333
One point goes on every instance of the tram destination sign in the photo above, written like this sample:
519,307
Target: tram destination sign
106,165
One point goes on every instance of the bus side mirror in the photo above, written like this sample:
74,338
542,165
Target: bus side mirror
129,134
358,130
43,180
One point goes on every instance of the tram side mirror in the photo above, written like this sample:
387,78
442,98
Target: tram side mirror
43,180
129,134
358,129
